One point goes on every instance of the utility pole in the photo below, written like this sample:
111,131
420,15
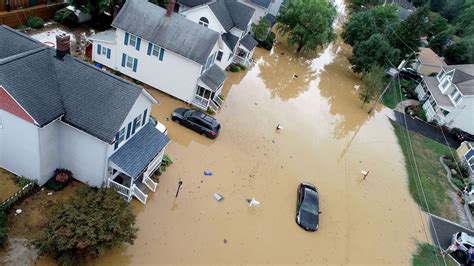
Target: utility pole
179,186
402,65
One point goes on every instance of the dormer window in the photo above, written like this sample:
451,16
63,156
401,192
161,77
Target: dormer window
440,75
445,84
204,21
458,98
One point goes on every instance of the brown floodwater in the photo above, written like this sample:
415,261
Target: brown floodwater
327,139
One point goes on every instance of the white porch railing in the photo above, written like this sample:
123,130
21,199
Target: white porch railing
420,91
200,102
213,106
430,112
149,182
243,61
219,101
121,189
154,164
142,197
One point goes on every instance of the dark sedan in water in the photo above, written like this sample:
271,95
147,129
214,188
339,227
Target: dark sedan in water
307,207
197,121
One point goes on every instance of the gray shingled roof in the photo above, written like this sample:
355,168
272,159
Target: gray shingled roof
463,77
230,40
193,3
47,88
105,36
174,33
214,77
231,13
440,98
263,3
248,42
8,48
140,150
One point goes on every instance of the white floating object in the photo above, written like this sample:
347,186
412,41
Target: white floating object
18,211
253,202
279,127
364,173
50,193
218,197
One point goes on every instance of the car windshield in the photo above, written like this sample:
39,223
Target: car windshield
188,113
310,202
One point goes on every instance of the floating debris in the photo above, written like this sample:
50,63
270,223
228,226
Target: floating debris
253,202
218,197
18,211
207,173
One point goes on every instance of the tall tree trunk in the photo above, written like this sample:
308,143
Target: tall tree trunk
300,46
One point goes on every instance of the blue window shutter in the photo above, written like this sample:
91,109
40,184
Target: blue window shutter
99,48
116,141
134,127
129,129
150,46
135,63
126,39
108,53
124,57
139,40
162,52
144,117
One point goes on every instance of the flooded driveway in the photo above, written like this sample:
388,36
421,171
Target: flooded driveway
327,139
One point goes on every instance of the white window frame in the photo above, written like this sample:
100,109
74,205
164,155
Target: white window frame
130,60
133,40
104,50
201,22
155,49
138,124
457,98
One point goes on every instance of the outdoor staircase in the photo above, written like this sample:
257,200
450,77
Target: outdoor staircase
216,104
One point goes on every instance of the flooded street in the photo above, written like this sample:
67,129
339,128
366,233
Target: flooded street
327,139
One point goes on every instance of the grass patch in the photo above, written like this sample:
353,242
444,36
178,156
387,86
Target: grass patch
432,174
392,96
428,255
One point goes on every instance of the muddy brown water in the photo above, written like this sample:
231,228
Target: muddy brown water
327,139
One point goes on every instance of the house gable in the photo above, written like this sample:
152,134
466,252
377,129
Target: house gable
10,105
194,14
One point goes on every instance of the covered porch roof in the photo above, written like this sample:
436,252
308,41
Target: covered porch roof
248,42
441,99
105,36
213,77
138,152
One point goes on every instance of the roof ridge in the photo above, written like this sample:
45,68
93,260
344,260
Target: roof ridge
14,57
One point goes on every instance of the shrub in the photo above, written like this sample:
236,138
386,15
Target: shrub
268,42
3,226
88,224
166,161
66,17
210,111
234,68
22,181
221,96
60,179
459,183
35,22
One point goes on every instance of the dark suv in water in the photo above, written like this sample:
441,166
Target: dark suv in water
307,207
197,121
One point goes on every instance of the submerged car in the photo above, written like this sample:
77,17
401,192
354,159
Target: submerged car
197,121
307,207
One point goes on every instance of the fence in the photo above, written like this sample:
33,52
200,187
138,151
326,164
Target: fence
6,204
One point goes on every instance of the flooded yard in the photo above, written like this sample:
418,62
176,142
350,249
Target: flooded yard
327,139
7,185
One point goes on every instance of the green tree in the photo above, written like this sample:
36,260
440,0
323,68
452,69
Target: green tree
375,51
438,42
373,82
461,52
407,35
260,30
436,23
308,23
437,5
452,9
365,23
465,21
87,225
418,3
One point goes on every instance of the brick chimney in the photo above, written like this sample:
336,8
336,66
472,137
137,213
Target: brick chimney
170,9
63,45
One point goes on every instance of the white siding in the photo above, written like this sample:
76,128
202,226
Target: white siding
138,108
49,150
225,62
82,154
463,115
274,7
20,147
174,75
196,13
101,58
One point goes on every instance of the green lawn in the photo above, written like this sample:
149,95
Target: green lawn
428,255
432,173
392,96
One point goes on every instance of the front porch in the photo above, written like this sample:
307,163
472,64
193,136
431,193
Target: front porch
245,51
209,87
132,166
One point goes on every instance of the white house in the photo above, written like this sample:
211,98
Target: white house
449,97
262,8
59,112
232,20
427,62
466,154
164,50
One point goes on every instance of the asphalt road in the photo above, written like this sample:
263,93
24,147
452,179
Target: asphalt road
426,130
444,230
